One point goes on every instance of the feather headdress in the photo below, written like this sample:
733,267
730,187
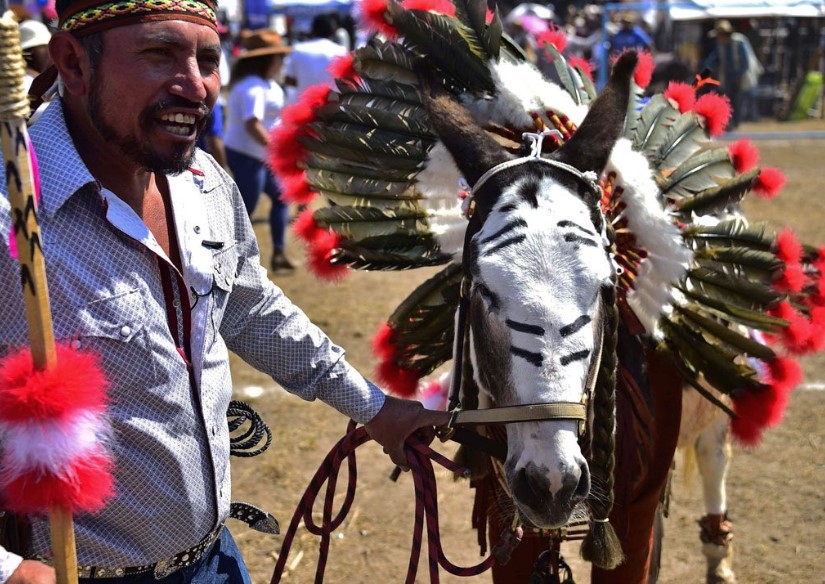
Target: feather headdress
730,301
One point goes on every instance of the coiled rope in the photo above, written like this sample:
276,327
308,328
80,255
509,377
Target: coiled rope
420,458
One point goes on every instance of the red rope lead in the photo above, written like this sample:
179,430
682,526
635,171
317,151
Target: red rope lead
420,457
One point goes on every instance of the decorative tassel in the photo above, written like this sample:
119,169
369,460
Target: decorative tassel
714,109
53,429
757,410
555,37
743,155
343,68
296,189
644,69
582,66
302,112
373,17
682,96
769,183
400,381
601,545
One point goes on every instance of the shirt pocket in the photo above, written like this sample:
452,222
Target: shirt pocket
115,329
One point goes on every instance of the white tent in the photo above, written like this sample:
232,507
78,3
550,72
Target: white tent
704,9
308,8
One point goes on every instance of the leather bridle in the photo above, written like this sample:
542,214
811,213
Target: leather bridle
577,411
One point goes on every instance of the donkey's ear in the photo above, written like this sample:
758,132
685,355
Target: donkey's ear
473,150
590,146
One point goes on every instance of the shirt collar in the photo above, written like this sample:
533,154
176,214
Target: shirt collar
62,171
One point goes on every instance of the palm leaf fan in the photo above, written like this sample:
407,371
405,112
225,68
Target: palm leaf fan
418,336
449,44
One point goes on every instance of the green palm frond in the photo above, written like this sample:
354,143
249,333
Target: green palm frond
716,328
367,169
724,308
381,60
731,232
755,293
719,198
348,184
652,124
383,88
390,252
408,119
360,223
717,364
372,141
447,43
424,321
680,141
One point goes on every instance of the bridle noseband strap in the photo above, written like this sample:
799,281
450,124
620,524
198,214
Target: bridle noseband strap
521,413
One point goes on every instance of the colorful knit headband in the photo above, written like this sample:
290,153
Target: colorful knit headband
88,16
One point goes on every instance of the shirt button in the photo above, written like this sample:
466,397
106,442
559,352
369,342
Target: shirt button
176,303
197,229
76,344
125,330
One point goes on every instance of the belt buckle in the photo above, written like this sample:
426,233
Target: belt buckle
163,568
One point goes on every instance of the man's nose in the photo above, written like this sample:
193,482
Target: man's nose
190,82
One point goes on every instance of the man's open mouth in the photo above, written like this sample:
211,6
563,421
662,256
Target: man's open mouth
179,124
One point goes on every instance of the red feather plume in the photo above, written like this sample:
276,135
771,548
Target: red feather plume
372,16
757,410
296,189
715,110
400,381
582,66
438,6
743,155
343,68
769,183
644,69
681,95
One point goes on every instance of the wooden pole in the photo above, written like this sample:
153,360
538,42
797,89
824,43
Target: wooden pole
14,111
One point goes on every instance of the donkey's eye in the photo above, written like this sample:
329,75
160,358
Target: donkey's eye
489,297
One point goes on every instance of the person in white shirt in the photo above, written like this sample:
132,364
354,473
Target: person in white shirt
253,109
309,61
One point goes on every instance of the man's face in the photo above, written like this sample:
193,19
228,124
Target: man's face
153,90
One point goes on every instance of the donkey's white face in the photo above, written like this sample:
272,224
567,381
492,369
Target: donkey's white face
538,268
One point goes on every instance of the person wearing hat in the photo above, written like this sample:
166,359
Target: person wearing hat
153,266
728,63
34,42
254,107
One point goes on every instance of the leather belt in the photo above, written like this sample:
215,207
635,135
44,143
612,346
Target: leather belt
159,569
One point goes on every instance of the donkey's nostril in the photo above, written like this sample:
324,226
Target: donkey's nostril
583,488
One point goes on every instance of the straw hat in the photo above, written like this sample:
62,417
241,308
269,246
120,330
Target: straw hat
33,34
262,42
721,27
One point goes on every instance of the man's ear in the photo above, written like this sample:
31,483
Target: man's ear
72,62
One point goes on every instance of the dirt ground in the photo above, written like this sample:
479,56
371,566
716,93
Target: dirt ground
776,497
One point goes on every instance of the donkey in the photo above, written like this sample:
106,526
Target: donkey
539,291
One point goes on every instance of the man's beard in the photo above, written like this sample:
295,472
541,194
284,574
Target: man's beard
141,152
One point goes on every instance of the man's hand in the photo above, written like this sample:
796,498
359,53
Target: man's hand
32,572
397,419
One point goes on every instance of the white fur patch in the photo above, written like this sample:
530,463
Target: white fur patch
547,281
668,257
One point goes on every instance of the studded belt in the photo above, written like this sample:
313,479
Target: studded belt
160,569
